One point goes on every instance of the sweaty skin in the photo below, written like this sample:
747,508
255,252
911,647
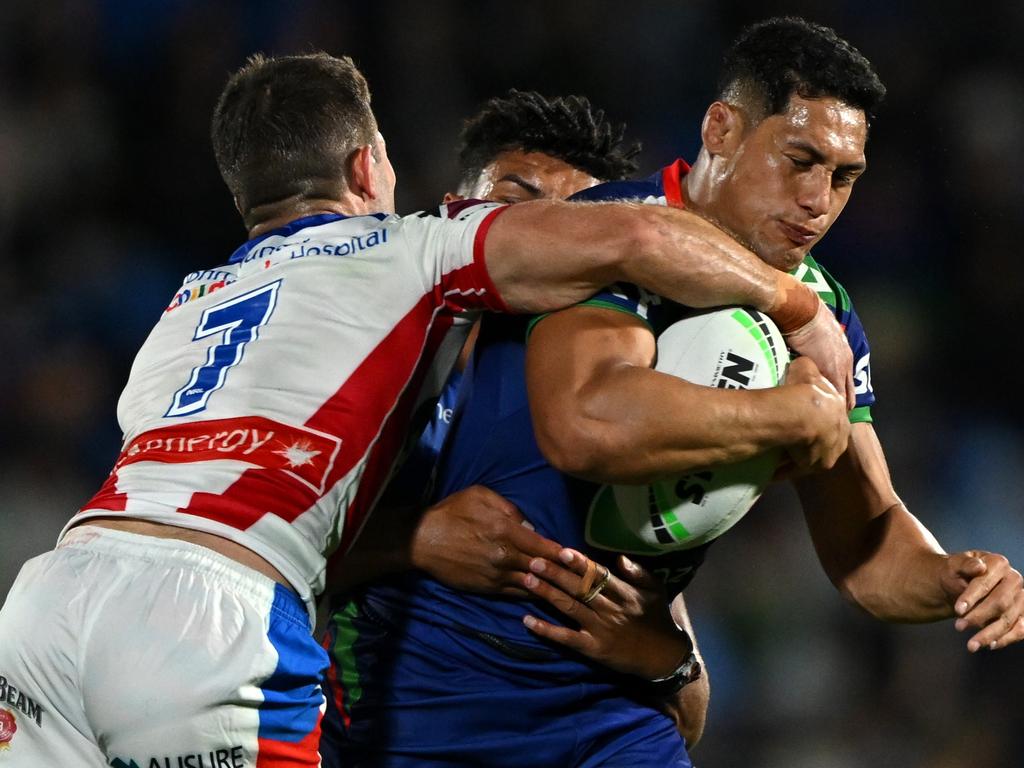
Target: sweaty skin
476,541
514,176
779,186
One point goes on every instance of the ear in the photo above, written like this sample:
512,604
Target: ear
451,197
361,179
722,129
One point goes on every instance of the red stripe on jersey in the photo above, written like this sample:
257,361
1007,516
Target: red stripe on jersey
108,497
367,412
301,453
355,413
393,434
334,690
468,280
672,182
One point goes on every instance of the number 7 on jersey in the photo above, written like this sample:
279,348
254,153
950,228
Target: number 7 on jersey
239,320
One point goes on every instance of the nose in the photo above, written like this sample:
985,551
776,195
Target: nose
815,192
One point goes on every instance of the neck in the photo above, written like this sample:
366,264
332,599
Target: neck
268,217
700,193
698,186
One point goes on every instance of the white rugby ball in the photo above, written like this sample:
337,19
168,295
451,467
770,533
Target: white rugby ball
732,348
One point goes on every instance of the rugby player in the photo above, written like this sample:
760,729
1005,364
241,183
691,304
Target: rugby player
545,421
519,147
265,410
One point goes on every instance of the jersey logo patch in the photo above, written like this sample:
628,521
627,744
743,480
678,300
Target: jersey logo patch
303,453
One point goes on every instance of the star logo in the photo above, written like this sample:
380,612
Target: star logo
298,454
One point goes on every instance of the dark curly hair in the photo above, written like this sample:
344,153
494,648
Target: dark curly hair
773,59
565,127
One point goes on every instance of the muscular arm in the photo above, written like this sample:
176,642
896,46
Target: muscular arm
473,540
600,412
689,707
545,255
883,559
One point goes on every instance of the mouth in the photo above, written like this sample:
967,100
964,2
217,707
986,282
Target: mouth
797,234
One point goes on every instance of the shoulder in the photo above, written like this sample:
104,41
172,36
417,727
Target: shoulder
621,190
831,291
458,210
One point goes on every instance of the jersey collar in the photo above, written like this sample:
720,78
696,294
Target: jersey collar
672,182
291,228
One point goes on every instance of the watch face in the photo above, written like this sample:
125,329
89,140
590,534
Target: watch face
690,670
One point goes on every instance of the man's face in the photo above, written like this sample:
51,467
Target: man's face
515,176
790,177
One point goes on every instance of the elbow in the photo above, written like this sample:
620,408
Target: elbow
575,446
866,596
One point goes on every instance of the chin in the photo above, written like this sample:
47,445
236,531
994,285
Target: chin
784,261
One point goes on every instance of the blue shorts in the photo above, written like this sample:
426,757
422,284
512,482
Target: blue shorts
426,695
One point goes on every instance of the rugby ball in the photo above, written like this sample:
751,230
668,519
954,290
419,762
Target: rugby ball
732,348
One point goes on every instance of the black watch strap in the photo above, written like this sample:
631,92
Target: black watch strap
688,671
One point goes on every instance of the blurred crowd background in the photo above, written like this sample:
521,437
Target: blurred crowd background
109,195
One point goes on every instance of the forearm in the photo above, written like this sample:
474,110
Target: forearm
634,424
900,579
545,255
875,552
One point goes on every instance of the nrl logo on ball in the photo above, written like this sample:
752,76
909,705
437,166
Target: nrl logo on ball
8,727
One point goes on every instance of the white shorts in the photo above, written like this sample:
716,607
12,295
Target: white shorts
137,652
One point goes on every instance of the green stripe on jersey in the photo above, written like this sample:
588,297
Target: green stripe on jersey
827,287
344,653
599,304
861,415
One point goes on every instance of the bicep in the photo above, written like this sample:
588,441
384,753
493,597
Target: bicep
568,355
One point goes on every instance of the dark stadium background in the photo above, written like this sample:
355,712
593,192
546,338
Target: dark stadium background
109,194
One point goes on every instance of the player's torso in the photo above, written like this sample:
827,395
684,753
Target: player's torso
254,407
492,443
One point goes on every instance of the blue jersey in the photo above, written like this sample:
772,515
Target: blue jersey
492,443
420,671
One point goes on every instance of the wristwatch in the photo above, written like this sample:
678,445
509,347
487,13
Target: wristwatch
688,671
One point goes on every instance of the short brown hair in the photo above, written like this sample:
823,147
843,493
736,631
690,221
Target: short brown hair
285,125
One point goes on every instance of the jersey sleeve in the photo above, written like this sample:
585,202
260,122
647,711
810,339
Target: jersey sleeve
861,368
836,297
622,297
448,248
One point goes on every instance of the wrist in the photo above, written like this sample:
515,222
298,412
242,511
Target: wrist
686,672
795,303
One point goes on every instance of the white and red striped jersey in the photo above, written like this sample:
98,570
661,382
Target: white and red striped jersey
270,401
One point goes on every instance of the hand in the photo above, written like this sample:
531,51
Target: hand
823,340
627,627
827,420
987,594
476,540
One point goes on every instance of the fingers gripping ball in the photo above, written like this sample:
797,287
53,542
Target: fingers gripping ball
733,348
